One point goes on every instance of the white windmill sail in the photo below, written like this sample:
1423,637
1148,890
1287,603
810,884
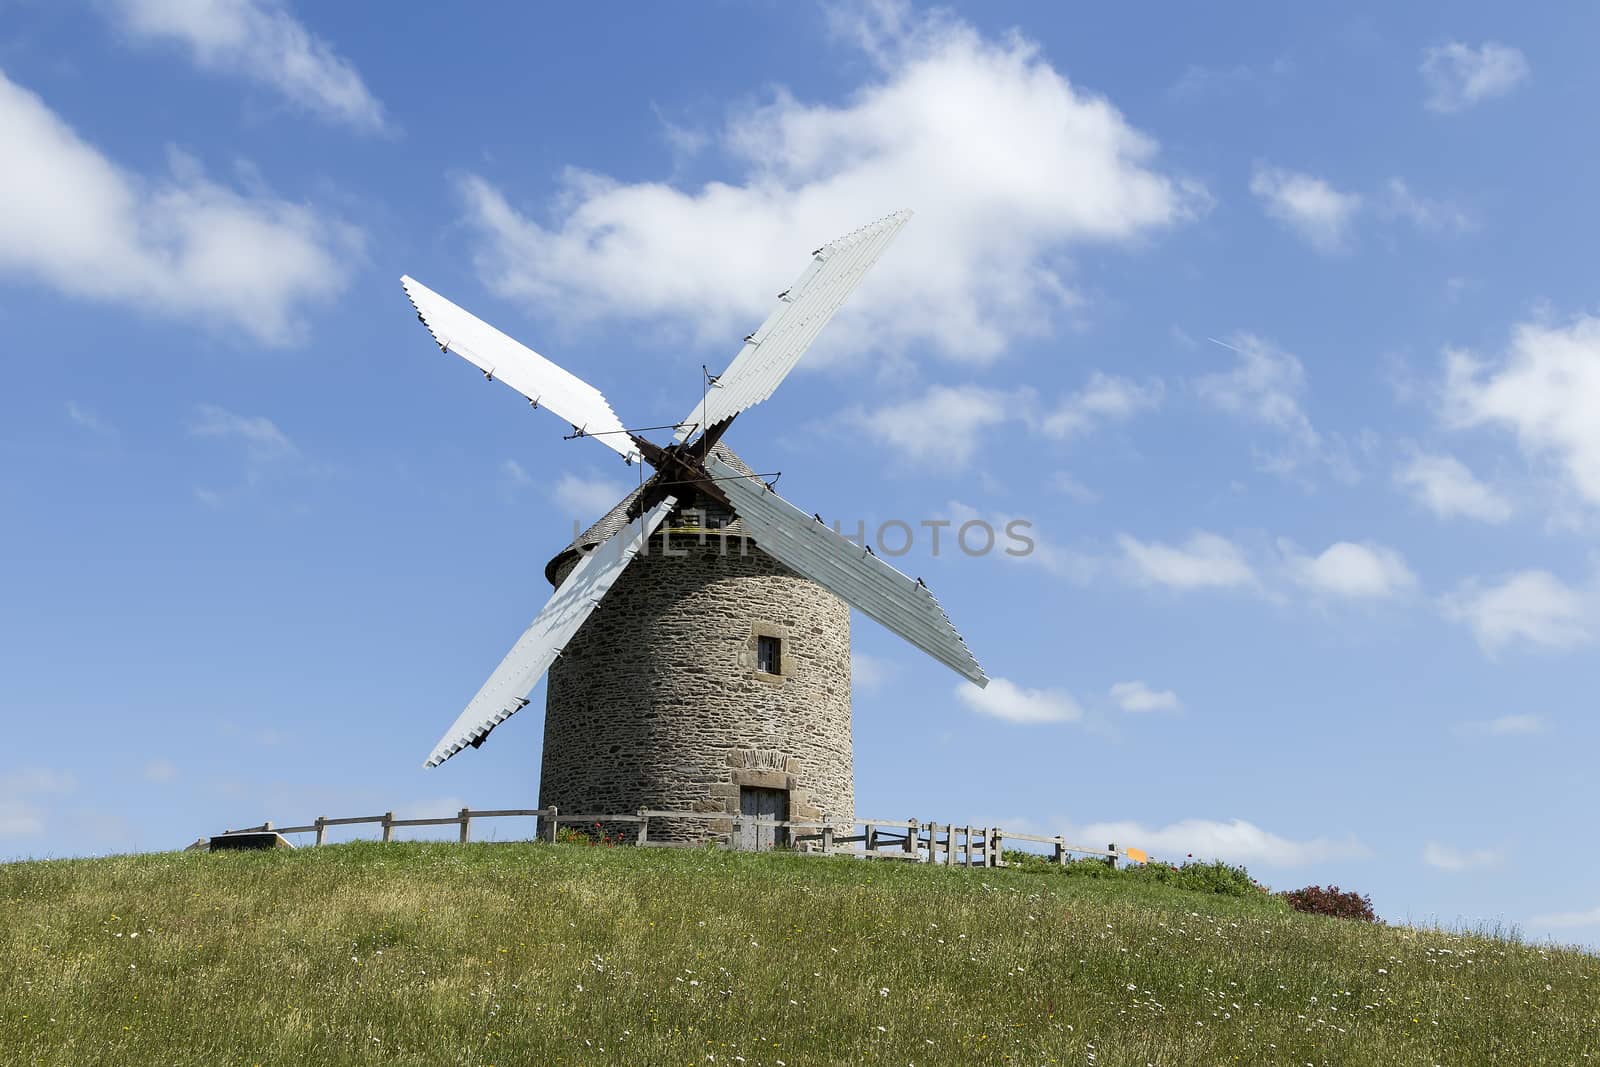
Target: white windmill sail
803,310
499,356
804,545
506,691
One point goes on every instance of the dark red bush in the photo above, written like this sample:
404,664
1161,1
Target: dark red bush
1331,901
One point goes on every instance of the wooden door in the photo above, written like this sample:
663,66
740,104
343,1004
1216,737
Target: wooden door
769,805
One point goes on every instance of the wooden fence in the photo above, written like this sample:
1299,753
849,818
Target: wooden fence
951,844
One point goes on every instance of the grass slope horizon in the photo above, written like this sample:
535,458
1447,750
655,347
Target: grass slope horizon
485,954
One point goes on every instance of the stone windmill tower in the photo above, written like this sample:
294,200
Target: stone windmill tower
698,641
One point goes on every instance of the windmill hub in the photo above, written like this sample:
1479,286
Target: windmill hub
697,664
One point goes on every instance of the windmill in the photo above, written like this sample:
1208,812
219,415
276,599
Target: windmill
712,671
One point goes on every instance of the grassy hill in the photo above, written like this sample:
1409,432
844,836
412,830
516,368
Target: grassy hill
514,954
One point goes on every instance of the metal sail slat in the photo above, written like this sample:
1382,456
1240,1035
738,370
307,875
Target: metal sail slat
866,582
500,356
774,349
506,691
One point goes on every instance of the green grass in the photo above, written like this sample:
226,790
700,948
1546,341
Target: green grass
514,954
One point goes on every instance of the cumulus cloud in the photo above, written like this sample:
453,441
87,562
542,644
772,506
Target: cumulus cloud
587,496
1206,560
1562,919
1449,489
259,41
22,792
1425,213
160,771
1266,385
262,440
89,420
181,246
1138,697
1447,858
1351,570
1309,206
1004,699
868,672
1506,726
1533,606
1545,390
1235,841
1459,76
515,475
1105,398
1009,165
944,423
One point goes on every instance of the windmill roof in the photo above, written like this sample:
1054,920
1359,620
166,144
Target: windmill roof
624,512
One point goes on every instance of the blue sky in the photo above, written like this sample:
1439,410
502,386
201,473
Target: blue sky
1277,326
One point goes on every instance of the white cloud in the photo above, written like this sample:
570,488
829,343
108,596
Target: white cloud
1265,385
1138,697
587,496
1545,390
1448,488
1446,858
869,672
160,771
262,439
1425,213
1459,76
1004,699
1235,841
1007,163
945,423
181,246
259,41
1206,560
1309,206
1506,726
1568,918
1348,569
89,420
1105,398
20,793
1533,606
515,474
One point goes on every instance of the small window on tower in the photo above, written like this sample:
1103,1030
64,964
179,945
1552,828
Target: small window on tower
769,655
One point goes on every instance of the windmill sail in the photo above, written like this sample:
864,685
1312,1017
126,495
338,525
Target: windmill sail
499,356
803,310
506,691
849,571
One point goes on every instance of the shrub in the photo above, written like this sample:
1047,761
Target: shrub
1318,900
1220,878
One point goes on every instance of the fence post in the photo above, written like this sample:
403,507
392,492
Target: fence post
388,826
950,845
322,829
968,836
466,817
551,822
644,827
913,836
827,839
1061,850
1112,859
997,846
933,843
871,842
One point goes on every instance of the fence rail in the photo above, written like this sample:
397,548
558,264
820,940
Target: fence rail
886,839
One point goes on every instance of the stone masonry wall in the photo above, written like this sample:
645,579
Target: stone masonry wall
657,701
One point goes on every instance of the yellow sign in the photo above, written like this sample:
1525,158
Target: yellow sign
1138,855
